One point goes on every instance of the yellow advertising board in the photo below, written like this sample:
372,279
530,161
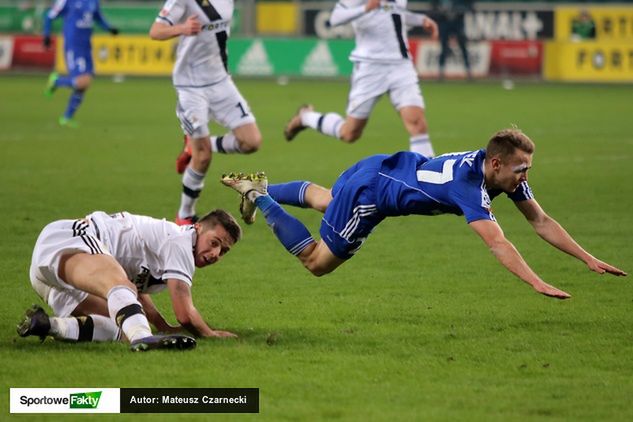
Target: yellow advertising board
277,18
589,61
130,55
611,23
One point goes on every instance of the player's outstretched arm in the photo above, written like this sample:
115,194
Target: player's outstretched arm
346,11
419,19
187,314
551,231
162,31
155,317
510,258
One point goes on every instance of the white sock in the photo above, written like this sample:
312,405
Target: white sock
310,118
422,145
134,323
226,144
328,123
104,329
68,328
192,184
64,328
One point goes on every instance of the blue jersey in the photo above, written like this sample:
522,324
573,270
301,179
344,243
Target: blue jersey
410,183
79,17
406,183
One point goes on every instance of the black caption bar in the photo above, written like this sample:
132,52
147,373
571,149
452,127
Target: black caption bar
189,400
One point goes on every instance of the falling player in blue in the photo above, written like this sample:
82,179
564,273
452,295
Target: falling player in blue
381,186
79,17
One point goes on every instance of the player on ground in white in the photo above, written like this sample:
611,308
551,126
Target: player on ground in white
382,64
205,91
97,274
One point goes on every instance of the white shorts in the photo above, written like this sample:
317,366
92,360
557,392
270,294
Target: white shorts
221,102
371,80
61,238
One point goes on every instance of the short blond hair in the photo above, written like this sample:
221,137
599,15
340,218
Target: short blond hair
506,141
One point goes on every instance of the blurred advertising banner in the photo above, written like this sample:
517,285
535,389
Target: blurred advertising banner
290,57
487,58
6,52
589,61
592,44
513,21
28,51
27,17
516,58
130,55
278,18
139,55
425,55
610,23
308,57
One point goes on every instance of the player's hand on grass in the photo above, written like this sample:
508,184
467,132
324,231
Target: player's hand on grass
601,267
223,334
191,26
551,291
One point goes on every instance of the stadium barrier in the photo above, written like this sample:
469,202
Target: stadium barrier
139,55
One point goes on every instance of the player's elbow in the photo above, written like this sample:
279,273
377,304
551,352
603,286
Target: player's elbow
155,33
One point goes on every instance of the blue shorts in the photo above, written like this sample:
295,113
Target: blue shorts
79,61
352,214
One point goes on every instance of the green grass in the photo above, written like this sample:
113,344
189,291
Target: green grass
422,324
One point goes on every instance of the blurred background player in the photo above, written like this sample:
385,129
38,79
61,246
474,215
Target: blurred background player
382,64
79,17
205,89
97,275
407,183
450,19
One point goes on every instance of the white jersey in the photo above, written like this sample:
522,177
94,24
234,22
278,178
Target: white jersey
151,251
201,59
381,34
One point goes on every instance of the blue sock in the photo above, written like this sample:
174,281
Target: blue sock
65,81
291,193
290,231
73,103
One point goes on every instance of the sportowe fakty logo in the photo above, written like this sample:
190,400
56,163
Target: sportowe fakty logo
88,400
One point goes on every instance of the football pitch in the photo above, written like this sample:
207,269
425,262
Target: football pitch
423,324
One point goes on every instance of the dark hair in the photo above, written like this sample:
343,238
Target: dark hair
507,141
224,219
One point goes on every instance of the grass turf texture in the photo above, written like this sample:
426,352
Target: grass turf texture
422,324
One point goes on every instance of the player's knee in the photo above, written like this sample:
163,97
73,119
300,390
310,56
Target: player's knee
317,270
82,82
417,125
351,136
201,162
251,144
